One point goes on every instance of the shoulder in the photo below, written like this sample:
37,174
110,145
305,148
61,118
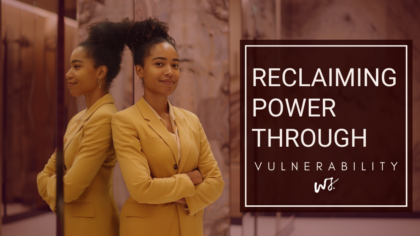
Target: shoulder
124,115
103,114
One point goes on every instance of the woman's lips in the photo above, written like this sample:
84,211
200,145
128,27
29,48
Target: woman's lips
167,82
71,84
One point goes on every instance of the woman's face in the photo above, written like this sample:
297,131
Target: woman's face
160,73
82,78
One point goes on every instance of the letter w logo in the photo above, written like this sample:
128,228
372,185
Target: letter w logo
323,186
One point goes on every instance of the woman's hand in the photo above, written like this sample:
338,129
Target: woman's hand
181,201
195,176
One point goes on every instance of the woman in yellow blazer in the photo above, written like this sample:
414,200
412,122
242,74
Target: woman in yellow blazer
161,148
89,155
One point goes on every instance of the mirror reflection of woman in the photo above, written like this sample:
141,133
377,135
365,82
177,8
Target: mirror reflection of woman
164,155
89,155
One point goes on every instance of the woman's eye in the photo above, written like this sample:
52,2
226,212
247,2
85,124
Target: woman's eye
76,67
176,66
159,64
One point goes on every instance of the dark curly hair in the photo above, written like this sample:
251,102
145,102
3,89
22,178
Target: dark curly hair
105,45
143,35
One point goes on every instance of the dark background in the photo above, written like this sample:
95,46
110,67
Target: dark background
380,110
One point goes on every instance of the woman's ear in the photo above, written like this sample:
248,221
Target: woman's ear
102,70
139,71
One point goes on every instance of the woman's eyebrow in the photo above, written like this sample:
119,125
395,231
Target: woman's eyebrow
164,58
159,58
76,61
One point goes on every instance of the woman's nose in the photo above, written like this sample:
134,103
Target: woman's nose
69,75
169,71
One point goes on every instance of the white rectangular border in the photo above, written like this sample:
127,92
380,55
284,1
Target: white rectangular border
406,125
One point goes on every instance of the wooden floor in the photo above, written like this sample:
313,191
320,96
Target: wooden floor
44,225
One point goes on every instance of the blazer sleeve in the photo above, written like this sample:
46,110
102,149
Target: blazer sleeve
44,177
212,186
136,172
42,181
92,152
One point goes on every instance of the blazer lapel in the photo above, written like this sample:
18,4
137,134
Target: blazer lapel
78,124
184,136
156,125
85,116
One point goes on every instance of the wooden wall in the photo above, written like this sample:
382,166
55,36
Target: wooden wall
29,46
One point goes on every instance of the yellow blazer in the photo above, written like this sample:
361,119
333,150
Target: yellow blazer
89,158
147,153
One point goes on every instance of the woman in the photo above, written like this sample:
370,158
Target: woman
164,155
89,155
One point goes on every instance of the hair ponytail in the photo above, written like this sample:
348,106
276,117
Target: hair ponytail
143,35
105,45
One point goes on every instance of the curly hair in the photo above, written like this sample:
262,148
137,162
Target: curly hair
143,35
105,45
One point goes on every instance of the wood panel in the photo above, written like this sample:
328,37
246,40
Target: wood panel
30,98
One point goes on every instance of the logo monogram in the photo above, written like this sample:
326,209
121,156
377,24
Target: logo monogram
330,187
